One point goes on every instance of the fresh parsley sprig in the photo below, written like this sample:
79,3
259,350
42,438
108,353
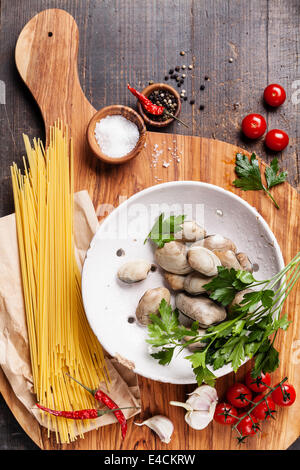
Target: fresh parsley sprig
249,331
249,175
163,230
165,330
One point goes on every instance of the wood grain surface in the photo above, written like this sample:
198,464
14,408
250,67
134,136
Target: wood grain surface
201,159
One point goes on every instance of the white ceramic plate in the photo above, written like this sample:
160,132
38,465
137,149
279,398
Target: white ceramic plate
109,303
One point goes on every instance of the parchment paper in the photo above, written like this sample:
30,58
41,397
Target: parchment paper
14,347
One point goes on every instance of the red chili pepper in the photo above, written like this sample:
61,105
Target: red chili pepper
146,103
91,413
103,398
106,400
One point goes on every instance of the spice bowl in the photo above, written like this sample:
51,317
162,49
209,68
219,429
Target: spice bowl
125,112
160,87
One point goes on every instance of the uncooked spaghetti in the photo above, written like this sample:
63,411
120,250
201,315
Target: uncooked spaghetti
60,338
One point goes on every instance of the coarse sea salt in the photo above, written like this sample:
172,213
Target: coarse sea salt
116,135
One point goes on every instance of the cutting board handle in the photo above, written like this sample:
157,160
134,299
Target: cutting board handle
46,58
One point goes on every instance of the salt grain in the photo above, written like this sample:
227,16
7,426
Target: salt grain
116,136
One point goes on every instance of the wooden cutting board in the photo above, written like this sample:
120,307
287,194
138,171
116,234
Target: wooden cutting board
46,57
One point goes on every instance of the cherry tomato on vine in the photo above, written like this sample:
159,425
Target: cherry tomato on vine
254,126
274,95
284,395
276,140
259,384
221,413
265,410
239,395
248,426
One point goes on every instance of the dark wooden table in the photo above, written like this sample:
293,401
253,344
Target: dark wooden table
241,45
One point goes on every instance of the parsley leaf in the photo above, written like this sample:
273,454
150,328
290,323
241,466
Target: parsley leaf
164,229
164,356
249,176
227,283
248,172
202,373
266,360
272,176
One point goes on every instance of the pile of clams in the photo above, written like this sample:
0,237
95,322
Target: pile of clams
188,263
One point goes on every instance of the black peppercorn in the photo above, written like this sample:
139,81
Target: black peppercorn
167,100
192,102
171,71
202,87
201,107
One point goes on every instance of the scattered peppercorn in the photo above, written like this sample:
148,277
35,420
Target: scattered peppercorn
185,98
183,75
192,101
167,77
177,68
230,60
151,82
201,107
202,87
171,71
190,67
206,77
183,67
182,53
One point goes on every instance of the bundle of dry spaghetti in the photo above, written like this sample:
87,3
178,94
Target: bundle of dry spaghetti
60,338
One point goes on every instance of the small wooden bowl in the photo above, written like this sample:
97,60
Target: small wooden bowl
147,92
127,113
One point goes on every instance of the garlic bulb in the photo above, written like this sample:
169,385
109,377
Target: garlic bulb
161,425
200,406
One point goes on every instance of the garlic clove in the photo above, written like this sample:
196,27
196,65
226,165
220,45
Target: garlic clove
161,425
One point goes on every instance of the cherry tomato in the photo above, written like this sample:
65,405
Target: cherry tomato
254,126
284,395
263,410
239,395
248,426
274,95
276,140
221,413
257,384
